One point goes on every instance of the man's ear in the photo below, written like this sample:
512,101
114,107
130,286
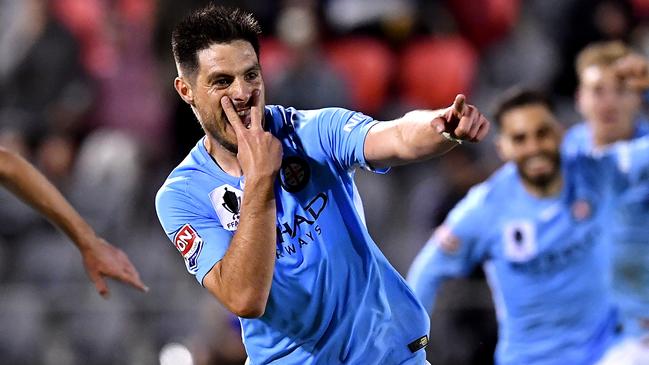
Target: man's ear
184,89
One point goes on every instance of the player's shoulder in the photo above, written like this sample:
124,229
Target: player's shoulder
642,127
185,180
577,140
297,117
488,195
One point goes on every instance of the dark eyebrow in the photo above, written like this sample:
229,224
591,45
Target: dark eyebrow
211,78
215,75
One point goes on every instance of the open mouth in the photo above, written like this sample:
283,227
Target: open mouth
244,115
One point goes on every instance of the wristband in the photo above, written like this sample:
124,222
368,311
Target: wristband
448,136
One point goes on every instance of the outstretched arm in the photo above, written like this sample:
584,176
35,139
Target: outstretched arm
100,258
437,261
422,134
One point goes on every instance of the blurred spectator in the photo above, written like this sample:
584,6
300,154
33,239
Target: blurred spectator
298,30
43,89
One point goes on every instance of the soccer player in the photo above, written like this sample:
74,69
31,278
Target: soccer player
611,111
100,258
265,213
536,225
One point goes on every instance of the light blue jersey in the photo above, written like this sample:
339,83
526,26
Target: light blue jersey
335,299
544,259
628,228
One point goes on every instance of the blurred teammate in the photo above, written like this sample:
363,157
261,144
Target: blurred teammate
537,227
100,259
611,111
266,215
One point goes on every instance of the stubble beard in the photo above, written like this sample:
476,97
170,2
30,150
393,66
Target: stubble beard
543,182
219,136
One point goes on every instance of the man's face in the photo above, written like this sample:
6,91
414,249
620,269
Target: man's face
530,137
226,69
607,103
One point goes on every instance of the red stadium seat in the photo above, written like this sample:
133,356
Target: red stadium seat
275,57
367,65
485,21
433,70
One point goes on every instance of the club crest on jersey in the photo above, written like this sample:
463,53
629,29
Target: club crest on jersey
294,174
189,244
581,210
520,241
226,201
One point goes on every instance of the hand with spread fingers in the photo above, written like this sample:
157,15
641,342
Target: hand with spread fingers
633,69
259,152
103,260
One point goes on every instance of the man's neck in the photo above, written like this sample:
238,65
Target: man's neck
551,189
601,141
225,159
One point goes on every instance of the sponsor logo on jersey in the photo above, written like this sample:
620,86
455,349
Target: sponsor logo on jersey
189,244
520,241
294,174
581,210
226,201
302,229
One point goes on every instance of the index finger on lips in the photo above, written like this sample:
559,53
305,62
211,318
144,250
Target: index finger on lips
232,115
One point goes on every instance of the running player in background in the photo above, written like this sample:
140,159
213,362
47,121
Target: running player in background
611,109
267,217
537,227
100,259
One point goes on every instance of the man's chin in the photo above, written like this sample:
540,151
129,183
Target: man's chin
541,181
227,145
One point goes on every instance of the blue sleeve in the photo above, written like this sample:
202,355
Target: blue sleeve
632,160
342,134
433,265
199,237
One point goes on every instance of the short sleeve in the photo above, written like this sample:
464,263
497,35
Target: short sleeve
342,133
199,238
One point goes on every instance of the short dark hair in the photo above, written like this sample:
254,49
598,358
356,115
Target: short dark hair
208,25
518,97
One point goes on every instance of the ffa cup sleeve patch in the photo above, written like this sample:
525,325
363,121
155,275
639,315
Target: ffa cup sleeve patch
189,244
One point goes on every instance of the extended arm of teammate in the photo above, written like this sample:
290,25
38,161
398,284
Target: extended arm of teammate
241,280
437,261
100,258
419,134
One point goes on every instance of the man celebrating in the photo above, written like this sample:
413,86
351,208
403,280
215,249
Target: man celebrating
537,226
611,110
266,215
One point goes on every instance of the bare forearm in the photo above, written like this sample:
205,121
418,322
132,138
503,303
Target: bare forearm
243,278
32,187
408,139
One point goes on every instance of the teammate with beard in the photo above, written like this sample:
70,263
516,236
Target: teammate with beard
611,110
536,226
